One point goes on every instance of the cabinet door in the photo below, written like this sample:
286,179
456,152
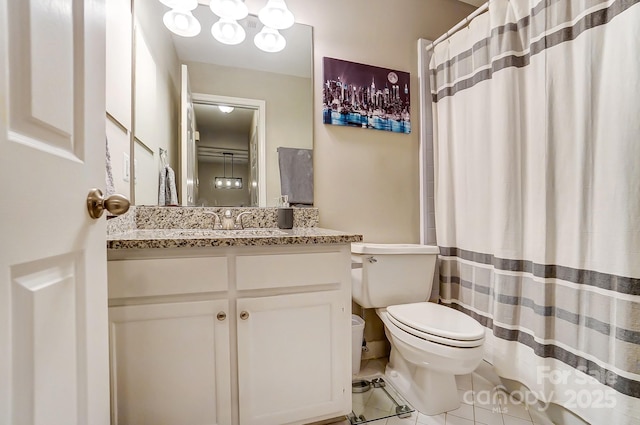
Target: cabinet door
293,358
170,364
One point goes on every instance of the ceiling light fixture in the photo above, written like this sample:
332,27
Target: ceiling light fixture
226,109
276,15
182,23
269,40
228,31
229,9
228,182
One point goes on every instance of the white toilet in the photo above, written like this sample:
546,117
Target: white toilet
430,343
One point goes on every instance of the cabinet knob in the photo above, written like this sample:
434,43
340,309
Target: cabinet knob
221,316
244,315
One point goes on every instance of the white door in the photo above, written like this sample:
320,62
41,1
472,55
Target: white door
53,297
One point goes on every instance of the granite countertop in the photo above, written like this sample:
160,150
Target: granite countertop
189,238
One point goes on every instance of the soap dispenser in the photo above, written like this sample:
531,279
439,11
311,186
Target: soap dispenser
285,213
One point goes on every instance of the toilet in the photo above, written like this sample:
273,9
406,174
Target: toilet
430,343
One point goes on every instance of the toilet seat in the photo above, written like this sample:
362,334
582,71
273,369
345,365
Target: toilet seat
437,323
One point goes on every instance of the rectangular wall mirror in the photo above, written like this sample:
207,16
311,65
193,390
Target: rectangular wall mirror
283,81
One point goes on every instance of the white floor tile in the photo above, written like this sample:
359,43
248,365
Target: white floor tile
465,411
483,402
487,399
404,421
539,417
465,396
431,420
361,399
373,412
380,400
463,382
511,420
518,410
481,384
488,417
454,420
487,371
370,369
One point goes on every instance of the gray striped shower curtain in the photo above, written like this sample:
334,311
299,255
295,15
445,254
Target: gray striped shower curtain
536,116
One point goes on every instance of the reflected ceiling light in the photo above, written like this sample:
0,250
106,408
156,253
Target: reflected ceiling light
276,15
227,182
180,4
181,22
229,9
269,40
226,109
228,31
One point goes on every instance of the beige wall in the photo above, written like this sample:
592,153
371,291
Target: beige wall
366,180
156,100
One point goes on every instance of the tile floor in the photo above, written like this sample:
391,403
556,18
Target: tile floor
481,402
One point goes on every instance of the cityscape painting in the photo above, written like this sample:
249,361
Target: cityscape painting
365,96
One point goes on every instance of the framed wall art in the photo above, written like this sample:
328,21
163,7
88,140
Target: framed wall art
366,96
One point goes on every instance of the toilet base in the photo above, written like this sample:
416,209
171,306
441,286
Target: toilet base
428,391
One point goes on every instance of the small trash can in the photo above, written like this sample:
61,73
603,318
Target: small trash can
357,332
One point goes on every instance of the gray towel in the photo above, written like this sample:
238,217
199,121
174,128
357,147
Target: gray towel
296,175
167,193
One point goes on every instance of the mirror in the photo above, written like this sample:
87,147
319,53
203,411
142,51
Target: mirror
283,81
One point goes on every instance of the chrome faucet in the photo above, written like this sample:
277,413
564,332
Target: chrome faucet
239,223
216,222
227,222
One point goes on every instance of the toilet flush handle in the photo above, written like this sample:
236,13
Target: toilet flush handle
372,259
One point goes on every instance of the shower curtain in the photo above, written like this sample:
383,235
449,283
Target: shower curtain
536,123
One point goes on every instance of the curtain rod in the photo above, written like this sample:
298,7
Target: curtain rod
459,26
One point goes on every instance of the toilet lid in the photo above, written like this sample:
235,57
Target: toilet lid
438,320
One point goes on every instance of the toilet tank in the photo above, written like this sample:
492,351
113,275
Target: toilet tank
390,274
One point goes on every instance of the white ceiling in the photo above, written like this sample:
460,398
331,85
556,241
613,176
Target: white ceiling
210,119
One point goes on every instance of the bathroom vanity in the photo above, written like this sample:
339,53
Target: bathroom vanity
239,327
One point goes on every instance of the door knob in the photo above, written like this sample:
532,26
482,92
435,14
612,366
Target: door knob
244,315
96,203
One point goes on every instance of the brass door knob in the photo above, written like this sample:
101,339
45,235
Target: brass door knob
96,203
244,315
221,316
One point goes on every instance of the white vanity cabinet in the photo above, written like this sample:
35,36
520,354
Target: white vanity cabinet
233,335
169,348
170,364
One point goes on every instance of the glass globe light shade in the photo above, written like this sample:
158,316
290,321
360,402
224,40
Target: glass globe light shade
269,40
228,31
182,23
229,9
276,15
